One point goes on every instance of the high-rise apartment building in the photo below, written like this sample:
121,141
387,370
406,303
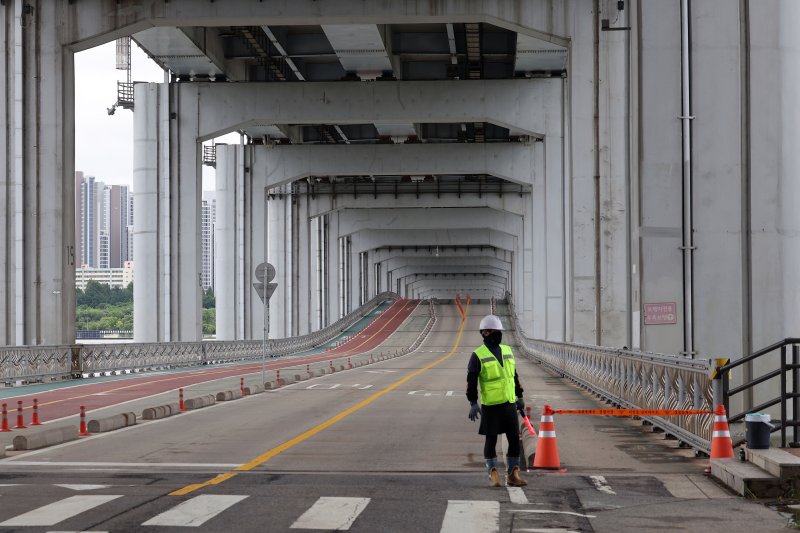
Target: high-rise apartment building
103,219
209,215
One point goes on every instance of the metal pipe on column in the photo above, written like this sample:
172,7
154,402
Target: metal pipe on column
19,179
688,237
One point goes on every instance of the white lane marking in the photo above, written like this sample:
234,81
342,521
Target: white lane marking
53,513
332,514
84,487
545,511
548,530
77,532
379,371
601,484
465,516
324,386
195,512
212,466
9,484
517,495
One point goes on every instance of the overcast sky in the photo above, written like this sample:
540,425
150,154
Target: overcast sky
103,143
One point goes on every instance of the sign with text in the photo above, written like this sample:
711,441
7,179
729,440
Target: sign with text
661,313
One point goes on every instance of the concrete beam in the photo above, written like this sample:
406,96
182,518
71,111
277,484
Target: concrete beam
510,202
525,105
94,22
279,165
370,239
355,220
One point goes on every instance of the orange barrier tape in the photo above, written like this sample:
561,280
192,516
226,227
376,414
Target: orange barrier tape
633,412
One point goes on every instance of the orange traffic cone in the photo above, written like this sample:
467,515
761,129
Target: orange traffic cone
546,446
721,443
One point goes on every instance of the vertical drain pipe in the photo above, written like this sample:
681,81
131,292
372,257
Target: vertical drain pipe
688,238
19,180
598,319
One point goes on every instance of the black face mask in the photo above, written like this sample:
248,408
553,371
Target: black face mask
493,338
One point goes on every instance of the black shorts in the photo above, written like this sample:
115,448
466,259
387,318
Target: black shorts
498,419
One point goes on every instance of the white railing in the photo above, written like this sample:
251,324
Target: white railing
633,379
39,363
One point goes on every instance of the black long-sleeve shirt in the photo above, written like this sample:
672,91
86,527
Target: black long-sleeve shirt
474,369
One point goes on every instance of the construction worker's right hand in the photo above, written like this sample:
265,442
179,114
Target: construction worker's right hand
474,411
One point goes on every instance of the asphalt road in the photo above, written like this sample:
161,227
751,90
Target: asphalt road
384,447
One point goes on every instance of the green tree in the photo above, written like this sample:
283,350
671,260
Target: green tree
209,321
209,300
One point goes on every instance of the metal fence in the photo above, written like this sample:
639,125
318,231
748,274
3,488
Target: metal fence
39,363
633,379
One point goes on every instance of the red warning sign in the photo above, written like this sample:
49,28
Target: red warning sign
661,313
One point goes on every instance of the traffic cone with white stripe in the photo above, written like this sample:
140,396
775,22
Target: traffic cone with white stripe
547,446
721,443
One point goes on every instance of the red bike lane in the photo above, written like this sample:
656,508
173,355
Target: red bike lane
66,401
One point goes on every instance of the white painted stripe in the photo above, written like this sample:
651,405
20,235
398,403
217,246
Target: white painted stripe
195,512
547,530
721,434
547,434
151,466
517,495
52,514
601,484
332,514
720,418
548,418
464,516
543,511
84,487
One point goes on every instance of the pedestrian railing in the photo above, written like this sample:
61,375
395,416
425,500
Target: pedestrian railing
778,385
40,363
634,379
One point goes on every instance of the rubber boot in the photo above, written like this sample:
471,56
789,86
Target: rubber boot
512,476
491,469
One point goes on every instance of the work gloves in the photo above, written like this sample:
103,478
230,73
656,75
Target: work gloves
474,411
521,406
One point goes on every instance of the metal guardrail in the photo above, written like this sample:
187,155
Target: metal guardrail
783,369
633,379
38,363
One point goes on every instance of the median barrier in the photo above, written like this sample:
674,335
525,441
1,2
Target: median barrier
110,423
271,385
228,395
199,402
253,389
46,437
161,411
298,377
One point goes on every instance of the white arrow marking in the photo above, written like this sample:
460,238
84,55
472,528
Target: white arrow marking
84,487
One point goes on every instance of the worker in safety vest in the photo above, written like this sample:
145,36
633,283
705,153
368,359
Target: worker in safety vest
492,366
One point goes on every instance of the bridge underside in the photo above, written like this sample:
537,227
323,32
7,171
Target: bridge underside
429,148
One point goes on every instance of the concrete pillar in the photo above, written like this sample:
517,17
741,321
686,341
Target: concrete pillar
333,267
774,168
304,274
584,280
231,271
148,290
538,280
167,157
37,184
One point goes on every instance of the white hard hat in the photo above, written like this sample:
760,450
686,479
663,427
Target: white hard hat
490,322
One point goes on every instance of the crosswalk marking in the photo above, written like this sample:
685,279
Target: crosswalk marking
464,516
83,487
328,513
517,495
56,512
195,512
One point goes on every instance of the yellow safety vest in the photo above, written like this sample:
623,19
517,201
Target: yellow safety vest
496,381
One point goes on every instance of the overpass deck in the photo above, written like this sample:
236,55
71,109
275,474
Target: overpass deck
383,447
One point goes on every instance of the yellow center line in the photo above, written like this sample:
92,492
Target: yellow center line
266,456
